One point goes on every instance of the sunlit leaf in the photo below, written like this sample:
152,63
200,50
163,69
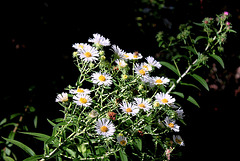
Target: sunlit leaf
169,66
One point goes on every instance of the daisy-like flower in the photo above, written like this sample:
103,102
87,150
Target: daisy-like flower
171,124
129,108
143,104
118,51
146,66
63,97
99,40
127,56
139,70
121,63
79,46
160,81
178,140
82,100
101,79
105,127
164,99
80,90
89,53
121,140
151,61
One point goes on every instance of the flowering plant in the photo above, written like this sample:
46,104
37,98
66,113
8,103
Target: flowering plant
122,106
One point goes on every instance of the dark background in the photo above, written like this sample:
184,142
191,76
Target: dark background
36,61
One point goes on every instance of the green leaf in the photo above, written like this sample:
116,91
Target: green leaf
199,38
198,24
219,60
123,155
201,81
3,121
39,136
190,49
6,158
178,94
193,101
21,145
33,158
170,66
189,98
190,85
35,121
138,144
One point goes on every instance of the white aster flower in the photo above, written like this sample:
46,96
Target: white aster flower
82,100
79,46
121,140
146,66
164,99
178,140
118,51
89,53
127,56
121,63
99,40
160,80
151,61
171,124
143,104
101,79
105,127
80,90
129,108
63,97
139,70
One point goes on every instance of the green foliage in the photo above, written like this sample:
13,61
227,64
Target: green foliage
117,109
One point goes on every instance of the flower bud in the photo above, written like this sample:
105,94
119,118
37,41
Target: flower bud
93,114
74,54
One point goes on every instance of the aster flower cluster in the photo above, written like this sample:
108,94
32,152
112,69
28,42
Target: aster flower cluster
117,101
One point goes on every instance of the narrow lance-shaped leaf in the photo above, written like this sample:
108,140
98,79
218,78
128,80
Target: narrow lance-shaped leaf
201,81
22,146
170,66
219,60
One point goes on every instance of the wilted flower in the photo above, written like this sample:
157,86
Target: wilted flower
178,140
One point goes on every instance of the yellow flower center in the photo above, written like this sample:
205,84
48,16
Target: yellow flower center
164,100
158,81
171,125
178,141
135,56
65,99
80,90
126,55
104,129
80,46
123,142
83,100
145,67
102,78
141,105
142,72
88,54
128,110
